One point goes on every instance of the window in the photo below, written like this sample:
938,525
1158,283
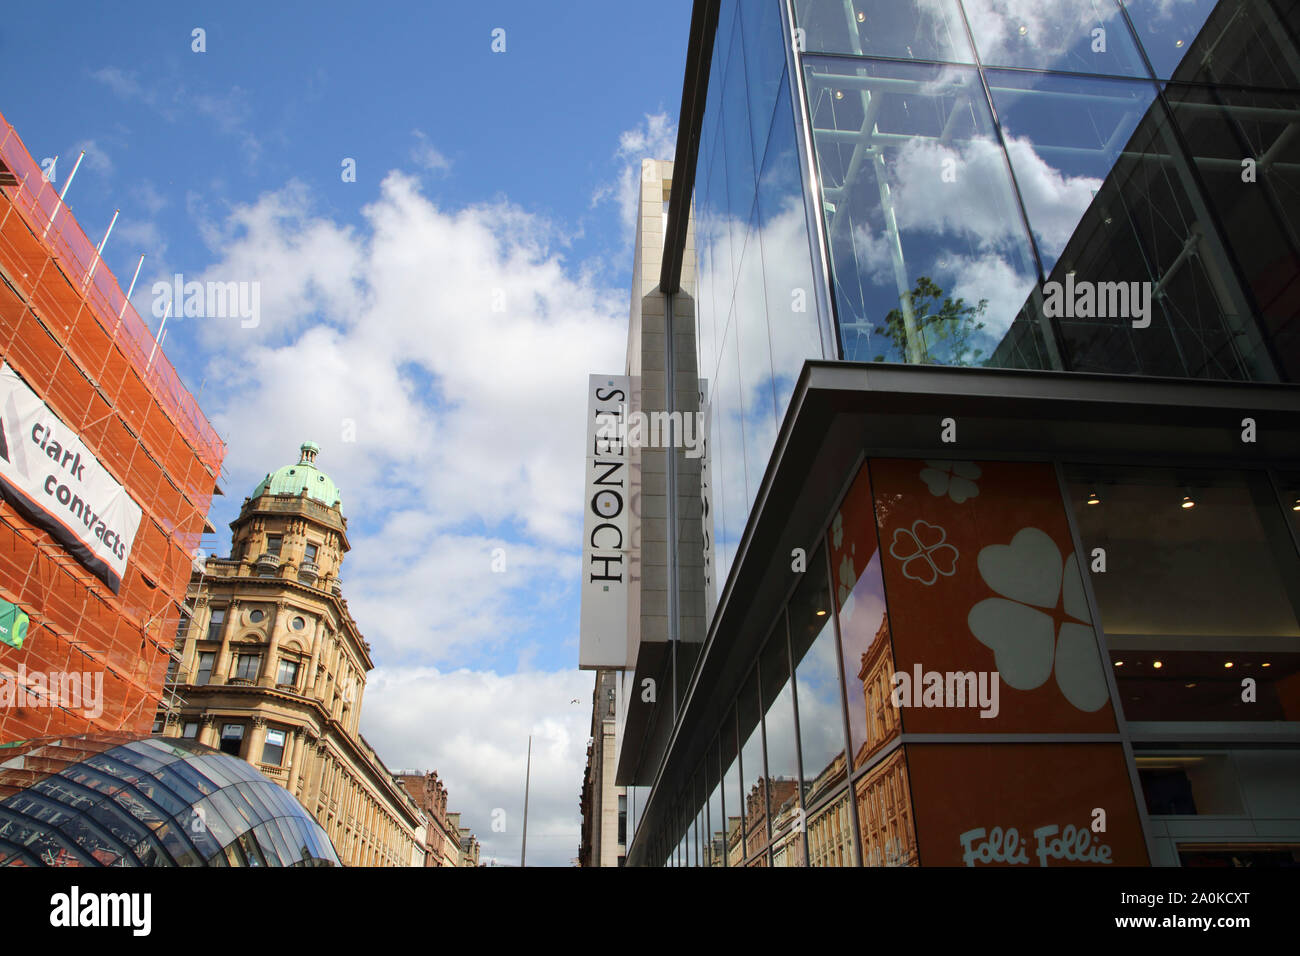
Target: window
287,674
256,615
232,739
191,729
310,554
215,622
273,542
273,749
204,674
622,820
298,623
1201,591
247,666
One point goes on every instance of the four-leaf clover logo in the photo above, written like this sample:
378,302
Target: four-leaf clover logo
956,479
924,551
1020,626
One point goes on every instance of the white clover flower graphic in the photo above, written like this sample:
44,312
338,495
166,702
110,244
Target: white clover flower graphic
924,549
956,479
1028,574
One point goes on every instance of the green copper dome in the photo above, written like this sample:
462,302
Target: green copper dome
294,479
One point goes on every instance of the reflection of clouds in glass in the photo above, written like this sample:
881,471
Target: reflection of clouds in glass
873,254
794,335
1053,27
782,759
819,705
987,277
1054,201
859,623
973,206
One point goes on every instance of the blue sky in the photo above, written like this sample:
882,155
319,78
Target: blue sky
430,325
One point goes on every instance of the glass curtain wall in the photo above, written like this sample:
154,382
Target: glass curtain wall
1141,158
757,314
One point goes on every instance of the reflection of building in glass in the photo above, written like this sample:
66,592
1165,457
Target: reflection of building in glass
123,800
272,668
896,232
876,675
885,814
830,834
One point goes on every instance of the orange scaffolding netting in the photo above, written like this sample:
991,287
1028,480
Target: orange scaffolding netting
38,201
79,344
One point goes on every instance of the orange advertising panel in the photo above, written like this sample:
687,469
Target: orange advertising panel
1024,805
990,628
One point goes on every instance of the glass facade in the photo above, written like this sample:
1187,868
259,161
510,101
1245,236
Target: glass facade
757,311
121,800
969,153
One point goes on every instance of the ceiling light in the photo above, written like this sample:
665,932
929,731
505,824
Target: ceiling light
1093,499
1187,503
1119,663
862,17
1024,30
821,612
1266,664
839,94
1227,663
1179,44
1295,505
1158,664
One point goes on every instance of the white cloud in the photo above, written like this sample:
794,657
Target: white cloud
462,416
473,728
96,159
229,109
654,138
425,155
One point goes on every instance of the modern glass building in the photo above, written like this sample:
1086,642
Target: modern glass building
123,800
994,306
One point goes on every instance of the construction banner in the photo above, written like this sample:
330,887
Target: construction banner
54,481
13,624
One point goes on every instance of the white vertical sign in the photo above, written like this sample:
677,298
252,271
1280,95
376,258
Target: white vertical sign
606,545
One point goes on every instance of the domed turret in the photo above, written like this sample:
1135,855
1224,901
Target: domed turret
300,477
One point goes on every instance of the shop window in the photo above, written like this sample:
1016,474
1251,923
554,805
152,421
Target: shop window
232,739
1200,594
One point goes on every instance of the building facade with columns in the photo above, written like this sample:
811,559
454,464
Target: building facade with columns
271,667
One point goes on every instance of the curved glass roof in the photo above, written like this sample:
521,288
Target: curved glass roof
127,800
